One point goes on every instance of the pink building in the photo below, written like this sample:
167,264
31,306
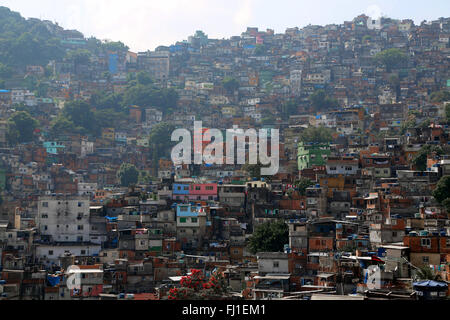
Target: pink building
207,191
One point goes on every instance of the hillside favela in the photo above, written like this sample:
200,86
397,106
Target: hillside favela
312,163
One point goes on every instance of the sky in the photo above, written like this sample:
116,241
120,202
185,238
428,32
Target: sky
146,24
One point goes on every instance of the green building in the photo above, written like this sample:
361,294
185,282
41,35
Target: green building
312,154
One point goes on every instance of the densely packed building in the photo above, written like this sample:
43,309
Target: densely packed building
360,208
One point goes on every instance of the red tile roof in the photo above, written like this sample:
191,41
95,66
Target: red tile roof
145,296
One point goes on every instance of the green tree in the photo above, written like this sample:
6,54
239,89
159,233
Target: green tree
302,185
446,204
109,118
80,113
447,112
366,38
317,135
41,89
26,42
260,50
420,160
62,125
115,46
269,237
440,96
426,273
321,102
107,100
230,84
79,56
21,127
390,58
144,78
160,141
289,108
148,96
442,191
6,72
268,120
254,170
408,124
128,175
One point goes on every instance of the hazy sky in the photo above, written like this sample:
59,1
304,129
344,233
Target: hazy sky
145,24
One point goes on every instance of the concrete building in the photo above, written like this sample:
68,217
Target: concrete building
64,218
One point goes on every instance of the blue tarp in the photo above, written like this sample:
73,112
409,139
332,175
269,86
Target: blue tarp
430,284
111,218
53,280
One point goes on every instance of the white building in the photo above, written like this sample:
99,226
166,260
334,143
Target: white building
296,82
87,189
64,218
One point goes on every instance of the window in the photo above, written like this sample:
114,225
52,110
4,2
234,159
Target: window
276,264
83,251
425,242
50,252
45,216
183,220
80,204
45,204
333,168
80,227
209,188
198,188
349,168
194,220
426,259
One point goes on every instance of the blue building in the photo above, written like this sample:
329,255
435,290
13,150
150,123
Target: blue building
53,147
113,61
180,192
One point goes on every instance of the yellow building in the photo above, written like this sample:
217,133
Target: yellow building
108,134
